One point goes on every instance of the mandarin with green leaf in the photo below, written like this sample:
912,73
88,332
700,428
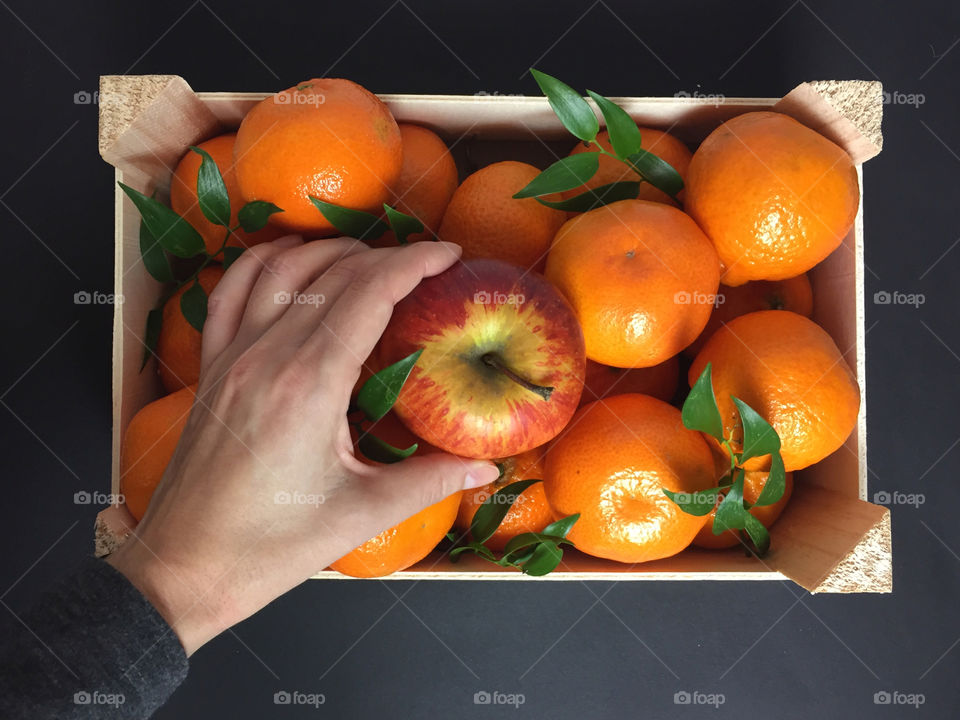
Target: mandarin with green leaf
427,181
328,138
791,372
753,483
530,511
183,197
611,465
179,343
662,144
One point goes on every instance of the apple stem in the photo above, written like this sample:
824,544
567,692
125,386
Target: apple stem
493,360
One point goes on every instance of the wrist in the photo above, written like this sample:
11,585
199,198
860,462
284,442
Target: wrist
184,604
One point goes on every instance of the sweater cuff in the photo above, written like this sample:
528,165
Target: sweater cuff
92,646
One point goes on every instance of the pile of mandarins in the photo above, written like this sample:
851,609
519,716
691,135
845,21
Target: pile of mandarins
658,288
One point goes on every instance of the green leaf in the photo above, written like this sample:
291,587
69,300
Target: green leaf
759,438
481,550
230,255
494,509
518,557
657,172
352,223
380,392
402,224
373,448
254,215
731,514
151,334
544,560
776,483
623,131
175,235
154,258
574,112
697,503
193,305
566,174
758,534
596,197
521,541
529,539
211,190
700,411
562,526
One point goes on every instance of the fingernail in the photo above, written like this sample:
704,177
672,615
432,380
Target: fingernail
483,473
288,241
452,247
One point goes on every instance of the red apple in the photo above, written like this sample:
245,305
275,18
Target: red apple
503,359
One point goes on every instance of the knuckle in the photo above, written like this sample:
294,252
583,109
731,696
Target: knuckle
278,265
346,268
216,303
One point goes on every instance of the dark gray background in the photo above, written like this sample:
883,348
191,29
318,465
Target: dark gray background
573,650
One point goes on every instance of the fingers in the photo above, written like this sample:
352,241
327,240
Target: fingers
358,317
405,488
226,303
285,275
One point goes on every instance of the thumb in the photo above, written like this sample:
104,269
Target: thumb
407,487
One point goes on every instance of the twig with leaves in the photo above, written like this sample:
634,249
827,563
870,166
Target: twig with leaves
700,412
164,233
533,553
575,170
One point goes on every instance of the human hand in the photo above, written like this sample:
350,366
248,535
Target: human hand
270,417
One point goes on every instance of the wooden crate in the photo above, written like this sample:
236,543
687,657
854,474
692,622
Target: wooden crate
829,538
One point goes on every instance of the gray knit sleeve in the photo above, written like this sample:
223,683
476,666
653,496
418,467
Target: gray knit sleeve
93,647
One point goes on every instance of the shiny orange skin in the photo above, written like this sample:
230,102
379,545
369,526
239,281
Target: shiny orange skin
793,294
408,542
487,222
661,144
452,398
774,196
178,347
148,445
611,466
427,181
753,482
402,545
183,197
659,381
326,137
529,513
641,277
789,370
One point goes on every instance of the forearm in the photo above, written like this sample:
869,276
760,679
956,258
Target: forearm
93,647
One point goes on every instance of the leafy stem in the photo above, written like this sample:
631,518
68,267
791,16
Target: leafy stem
533,553
700,412
575,170
164,233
